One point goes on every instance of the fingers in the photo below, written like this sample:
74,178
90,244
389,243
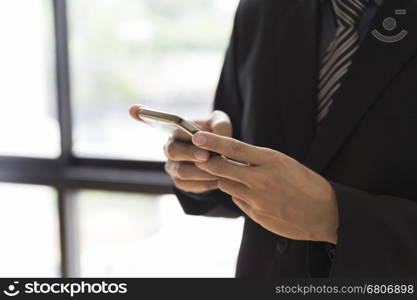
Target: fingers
187,177
203,125
234,189
133,112
188,172
177,151
220,123
223,168
245,207
231,148
195,186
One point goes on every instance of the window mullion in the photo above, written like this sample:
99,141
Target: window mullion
63,78
69,233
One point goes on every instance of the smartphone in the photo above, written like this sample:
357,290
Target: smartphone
178,128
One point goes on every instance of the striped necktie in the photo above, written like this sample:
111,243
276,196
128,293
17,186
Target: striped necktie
338,57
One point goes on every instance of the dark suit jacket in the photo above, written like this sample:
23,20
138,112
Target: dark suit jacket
367,146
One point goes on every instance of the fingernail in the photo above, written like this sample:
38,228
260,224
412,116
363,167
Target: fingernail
201,155
199,139
172,166
175,166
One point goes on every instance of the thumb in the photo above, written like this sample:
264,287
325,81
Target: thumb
220,123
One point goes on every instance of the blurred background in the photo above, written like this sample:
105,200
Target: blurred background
82,187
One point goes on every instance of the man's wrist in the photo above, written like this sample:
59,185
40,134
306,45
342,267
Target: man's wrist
333,220
328,231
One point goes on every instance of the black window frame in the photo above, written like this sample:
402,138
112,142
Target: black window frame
68,173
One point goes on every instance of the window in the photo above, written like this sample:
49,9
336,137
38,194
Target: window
149,236
164,54
29,231
83,191
27,75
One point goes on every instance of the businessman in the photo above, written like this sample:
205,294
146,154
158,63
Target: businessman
319,98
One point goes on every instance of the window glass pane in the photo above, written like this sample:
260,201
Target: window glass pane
29,231
136,235
166,54
28,124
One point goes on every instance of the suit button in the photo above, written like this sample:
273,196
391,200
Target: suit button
282,245
332,254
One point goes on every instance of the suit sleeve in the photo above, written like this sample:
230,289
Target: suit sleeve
377,235
227,99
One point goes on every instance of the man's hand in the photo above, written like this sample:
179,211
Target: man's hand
275,191
181,157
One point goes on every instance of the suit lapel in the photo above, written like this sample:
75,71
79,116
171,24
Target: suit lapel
298,80
375,65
